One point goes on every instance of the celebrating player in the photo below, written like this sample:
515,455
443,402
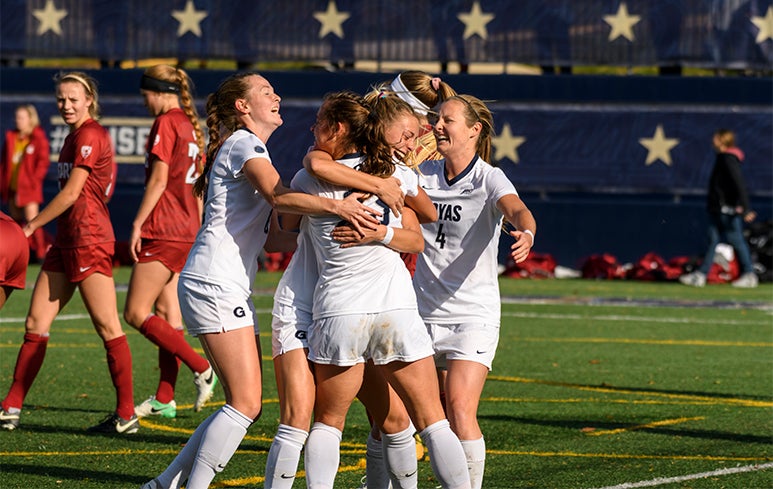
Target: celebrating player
81,256
456,275
214,289
292,314
364,308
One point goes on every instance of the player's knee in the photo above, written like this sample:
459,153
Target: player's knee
133,316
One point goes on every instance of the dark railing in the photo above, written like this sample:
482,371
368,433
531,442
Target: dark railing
564,33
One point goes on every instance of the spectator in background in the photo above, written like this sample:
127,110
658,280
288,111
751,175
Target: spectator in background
162,235
728,207
14,256
445,25
24,164
80,258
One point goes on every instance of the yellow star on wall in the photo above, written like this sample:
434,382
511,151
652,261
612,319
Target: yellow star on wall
189,19
506,145
50,18
658,147
765,26
622,23
331,20
475,22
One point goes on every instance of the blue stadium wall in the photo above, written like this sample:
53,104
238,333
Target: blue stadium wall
607,164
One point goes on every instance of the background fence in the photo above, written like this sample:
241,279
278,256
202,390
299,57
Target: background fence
706,33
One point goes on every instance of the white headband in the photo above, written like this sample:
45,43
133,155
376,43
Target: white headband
405,94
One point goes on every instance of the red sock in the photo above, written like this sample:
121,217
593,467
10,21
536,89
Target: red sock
164,336
28,363
169,365
119,361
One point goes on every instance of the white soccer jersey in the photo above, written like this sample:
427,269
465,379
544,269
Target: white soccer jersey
236,218
408,178
456,275
363,279
296,287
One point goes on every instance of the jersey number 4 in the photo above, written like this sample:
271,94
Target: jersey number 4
441,237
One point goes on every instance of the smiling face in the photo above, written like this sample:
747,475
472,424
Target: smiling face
401,134
453,134
73,103
261,105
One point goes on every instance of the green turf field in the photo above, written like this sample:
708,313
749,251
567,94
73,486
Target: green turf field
595,384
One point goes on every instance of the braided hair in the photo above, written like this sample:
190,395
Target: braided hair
222,120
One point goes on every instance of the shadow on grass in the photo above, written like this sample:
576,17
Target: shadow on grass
577,425
142,436
71,477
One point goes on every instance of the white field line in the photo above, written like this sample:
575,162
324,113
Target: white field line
702,475
624,318
524,315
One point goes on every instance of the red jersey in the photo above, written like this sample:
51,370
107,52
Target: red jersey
32,167
176,215
87,221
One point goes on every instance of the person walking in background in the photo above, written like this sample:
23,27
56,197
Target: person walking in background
456,278
14,257
24,164
81,256
162,234
728,208
242,186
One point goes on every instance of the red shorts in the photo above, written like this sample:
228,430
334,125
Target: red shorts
14,255
78,263
171,253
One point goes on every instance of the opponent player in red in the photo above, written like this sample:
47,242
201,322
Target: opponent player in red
81,256
14,256
162,234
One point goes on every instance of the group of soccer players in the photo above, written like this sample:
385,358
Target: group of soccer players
403,169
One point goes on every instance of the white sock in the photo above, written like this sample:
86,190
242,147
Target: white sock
446,455
475,451
375,464
218,444
177,472
323,453
283,457
400,458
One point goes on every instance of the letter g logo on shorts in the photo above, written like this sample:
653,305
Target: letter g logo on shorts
239,312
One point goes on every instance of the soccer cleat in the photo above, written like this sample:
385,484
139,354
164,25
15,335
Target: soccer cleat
205,387
115,424
154,484
695,279
152,407
8,421
748,280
